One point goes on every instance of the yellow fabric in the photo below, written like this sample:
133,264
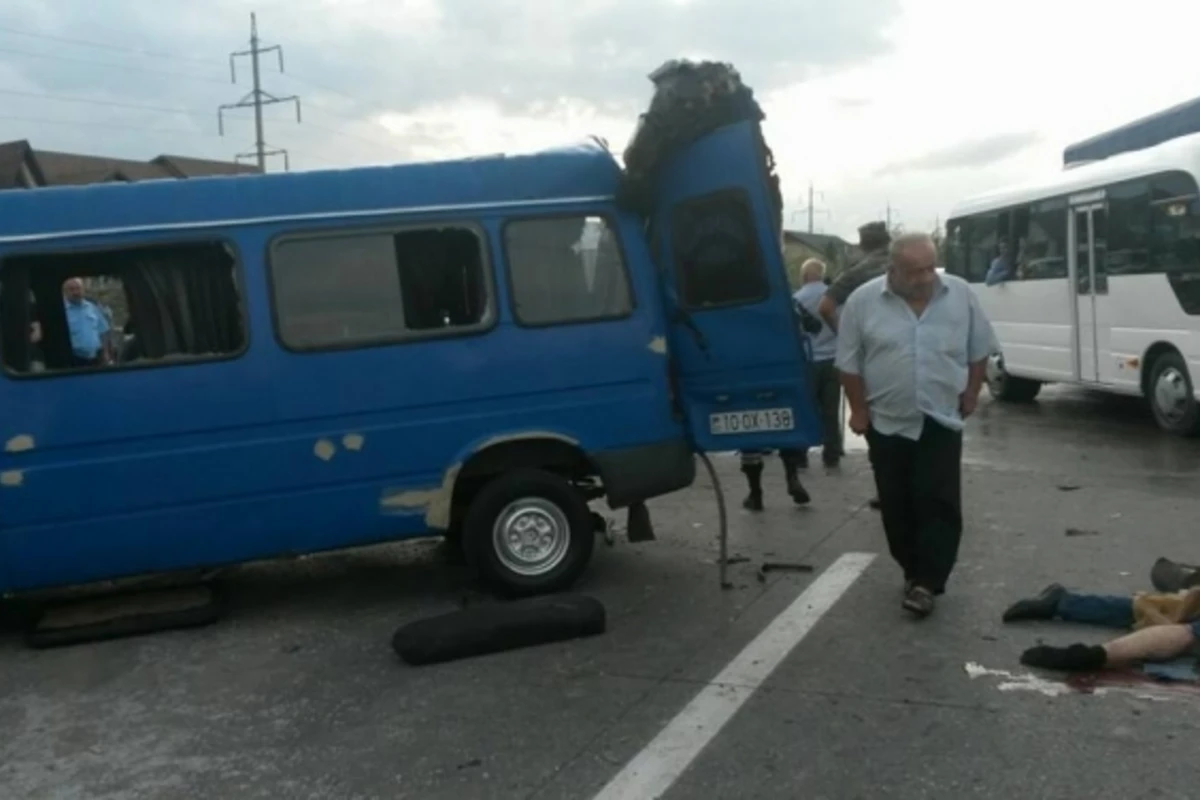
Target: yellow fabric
1165,609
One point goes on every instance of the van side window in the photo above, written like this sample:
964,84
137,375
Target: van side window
566,269
64,312
717,254
347,289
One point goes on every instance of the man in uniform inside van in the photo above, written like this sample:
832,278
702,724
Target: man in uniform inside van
87,325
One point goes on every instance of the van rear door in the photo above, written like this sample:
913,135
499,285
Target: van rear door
737,353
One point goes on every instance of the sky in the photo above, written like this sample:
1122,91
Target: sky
907,105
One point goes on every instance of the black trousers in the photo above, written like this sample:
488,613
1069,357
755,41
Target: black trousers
920,499
828,390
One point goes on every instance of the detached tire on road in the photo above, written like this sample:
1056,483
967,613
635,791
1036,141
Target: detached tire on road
1172,396
529,532
496,628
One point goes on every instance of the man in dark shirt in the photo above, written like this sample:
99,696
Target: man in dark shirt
873,239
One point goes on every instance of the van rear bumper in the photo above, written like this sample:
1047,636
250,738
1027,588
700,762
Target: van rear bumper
634,474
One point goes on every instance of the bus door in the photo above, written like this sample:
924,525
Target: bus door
737,357
1087,230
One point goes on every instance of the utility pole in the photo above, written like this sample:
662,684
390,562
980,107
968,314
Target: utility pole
811,209
256,99
888,215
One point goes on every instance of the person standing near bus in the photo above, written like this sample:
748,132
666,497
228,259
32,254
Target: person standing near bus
912,350
824,348
87,326
873,240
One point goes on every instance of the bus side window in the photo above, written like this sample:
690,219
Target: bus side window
1175,236
954,254
1046,242
566,269
341,289
1175,232
983,246
141,305
1128,240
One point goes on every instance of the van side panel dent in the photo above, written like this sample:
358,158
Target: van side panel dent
436,501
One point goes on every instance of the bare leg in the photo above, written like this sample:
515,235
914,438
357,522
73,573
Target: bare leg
1160,643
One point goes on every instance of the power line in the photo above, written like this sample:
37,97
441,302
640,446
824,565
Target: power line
93,101
109,64
155,54
56,98
257,98
168,56
104,46
87,123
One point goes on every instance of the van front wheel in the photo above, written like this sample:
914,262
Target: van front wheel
529,532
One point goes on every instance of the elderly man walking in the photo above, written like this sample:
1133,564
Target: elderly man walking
824,348
912,348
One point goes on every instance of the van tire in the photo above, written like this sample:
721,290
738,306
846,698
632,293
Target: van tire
1172,397
1005,387
540,510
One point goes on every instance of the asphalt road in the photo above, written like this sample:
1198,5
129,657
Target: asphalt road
297,694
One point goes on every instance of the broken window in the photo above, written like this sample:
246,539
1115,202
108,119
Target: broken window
119,307
717,252
347,289
566,269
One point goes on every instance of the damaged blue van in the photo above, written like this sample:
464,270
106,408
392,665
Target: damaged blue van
474,349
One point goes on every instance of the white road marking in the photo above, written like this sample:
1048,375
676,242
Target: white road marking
656,768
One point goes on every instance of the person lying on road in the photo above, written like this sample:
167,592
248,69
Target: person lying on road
1164,626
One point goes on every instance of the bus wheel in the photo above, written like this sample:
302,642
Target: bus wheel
529,532
1005,387
1171,396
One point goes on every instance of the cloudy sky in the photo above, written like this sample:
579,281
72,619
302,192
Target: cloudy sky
911,104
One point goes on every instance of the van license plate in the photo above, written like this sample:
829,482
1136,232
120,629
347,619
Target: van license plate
767,419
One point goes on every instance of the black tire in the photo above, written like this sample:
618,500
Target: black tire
1172,397
495,628
1008,389
547,502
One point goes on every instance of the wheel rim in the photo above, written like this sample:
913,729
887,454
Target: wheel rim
531,536
995,374
1172,397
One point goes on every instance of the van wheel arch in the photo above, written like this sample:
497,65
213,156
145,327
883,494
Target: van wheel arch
539,453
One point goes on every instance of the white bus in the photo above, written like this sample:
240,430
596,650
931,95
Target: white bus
1106,290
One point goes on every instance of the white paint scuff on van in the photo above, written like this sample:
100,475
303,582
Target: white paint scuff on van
353,441
19,444
436,501
658,345
324,449
12,478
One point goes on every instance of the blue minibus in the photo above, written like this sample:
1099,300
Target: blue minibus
475,349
